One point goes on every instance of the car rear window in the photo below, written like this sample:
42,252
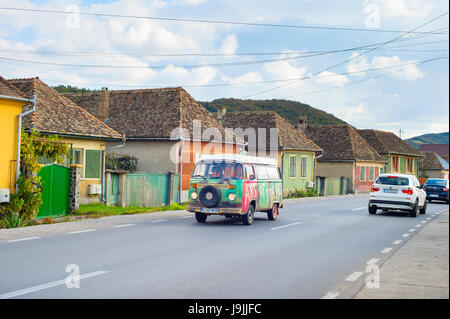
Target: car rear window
436,182
393,180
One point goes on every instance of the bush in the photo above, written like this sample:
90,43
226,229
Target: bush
13,220
124,162
309,192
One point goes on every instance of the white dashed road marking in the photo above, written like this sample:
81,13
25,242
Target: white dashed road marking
284,226
159,220
359,208
373,261
48,285
331,295
354,276
386,250
405,235
397,242
124,225
22,239
412,229
81,231
418,225
190,216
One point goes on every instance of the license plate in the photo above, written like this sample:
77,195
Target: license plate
209,210
390,191
434,195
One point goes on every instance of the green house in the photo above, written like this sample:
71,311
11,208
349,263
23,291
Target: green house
400,157
268,134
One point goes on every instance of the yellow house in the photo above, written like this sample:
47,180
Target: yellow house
85,134
11,103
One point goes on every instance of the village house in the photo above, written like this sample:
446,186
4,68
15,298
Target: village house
295,152
346,157
11,103
399,156
86,135
432,165
163,128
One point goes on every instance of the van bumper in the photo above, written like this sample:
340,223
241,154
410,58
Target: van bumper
222,211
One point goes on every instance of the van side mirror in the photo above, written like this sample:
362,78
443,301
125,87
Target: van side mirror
251,177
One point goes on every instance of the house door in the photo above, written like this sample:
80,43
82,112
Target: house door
55,190
114,187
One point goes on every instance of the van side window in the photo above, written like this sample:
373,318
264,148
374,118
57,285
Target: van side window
261,172
249,171
274,172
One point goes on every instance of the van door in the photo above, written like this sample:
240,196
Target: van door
250,187
263,196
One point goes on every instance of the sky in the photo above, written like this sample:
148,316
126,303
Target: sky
392,83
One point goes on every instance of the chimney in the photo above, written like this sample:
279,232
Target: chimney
302,123
103,105
221,112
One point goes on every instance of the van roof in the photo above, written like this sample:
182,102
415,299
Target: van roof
239,158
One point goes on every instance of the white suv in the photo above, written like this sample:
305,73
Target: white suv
399,192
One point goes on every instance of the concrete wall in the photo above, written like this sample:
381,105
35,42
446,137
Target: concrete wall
337,170
153,156
434,173
9,111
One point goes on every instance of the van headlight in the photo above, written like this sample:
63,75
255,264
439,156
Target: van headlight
231,196
194,195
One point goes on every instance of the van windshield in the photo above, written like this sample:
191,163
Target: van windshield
218,170
393,180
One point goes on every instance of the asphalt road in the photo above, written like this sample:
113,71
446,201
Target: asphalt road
315,249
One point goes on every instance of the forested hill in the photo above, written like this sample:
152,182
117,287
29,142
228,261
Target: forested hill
433,138
290,110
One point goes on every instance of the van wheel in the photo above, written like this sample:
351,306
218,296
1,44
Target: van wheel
247,219
423,210
415,210
201,218
273,213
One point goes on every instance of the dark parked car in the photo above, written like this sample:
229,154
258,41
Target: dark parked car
437,189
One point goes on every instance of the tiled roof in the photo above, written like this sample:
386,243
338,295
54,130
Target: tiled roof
148,113
342,143
7,89
387,142
441,149
288,135
58,115
432,161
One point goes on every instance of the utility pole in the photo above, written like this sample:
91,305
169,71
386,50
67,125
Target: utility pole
400,133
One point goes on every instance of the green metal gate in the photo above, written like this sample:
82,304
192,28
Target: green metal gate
55,190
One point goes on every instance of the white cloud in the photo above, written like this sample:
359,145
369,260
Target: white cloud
191,2
327,77
229,44
404,8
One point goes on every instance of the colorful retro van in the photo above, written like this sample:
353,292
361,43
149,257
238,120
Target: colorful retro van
234,185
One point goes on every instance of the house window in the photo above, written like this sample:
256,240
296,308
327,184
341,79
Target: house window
362,176
371,173
92,164
381,170
409,164
293,166
77,156
304,166
395,164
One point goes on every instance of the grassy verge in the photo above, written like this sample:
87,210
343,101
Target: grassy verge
299,193
100,210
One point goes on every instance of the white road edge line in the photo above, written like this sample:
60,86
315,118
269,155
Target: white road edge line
331,295
48,285
386,250
359,208
397,242
81,231
159,220
22,239
124,225
288,225
354,276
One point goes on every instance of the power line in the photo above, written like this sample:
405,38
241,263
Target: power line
352,58
268,81
214,21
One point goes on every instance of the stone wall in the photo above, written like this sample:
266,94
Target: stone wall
74,188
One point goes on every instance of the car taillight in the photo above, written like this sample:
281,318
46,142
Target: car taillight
374,189
408,191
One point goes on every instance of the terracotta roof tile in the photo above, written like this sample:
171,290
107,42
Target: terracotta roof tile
57,114
9,90
441,149
288,136
342,143
148,113
387,142
431,161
